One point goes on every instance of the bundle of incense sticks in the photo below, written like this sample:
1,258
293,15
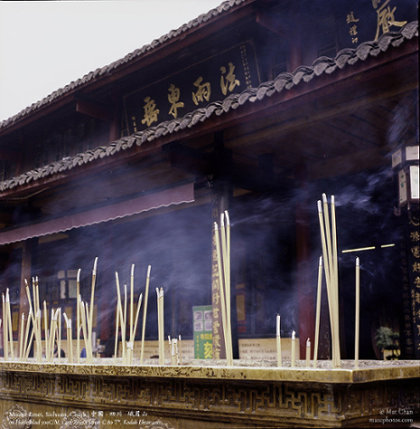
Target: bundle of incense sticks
143,329
35,316
330,261
222,239
8,345
161,327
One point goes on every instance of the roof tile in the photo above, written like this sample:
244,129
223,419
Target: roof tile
282,81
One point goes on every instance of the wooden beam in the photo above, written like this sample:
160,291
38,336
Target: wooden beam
94,110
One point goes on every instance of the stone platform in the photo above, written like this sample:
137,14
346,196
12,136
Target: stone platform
203,394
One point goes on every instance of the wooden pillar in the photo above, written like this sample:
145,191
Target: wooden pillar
306,285
28,249
105,294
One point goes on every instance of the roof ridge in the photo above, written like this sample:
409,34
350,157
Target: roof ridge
285,80
109,68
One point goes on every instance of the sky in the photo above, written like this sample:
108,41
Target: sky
44,45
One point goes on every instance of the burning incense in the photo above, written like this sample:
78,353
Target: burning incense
308,351
318,310
22,325
47,351
50,356
278,340
78,326
136,319
92,298
38,336
59,333
29,344
174,351
122,318
179,350
25,340
131,304
335,279
85,311
124,332
146,296
9,322
161,329
5,339
38,340
331,277
117,319
293,355
89,353
357,315
219,254
227,286
69,339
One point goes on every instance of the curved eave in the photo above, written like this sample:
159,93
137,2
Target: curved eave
188,33
281,87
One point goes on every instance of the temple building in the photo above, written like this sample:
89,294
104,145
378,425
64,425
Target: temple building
257,107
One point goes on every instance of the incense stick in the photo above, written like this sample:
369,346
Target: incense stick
59,333
47,354
117,319
278,340
25,341
146,295
69,339
9,322
308,351
131,304
122,320
84,330
22,324
136,319
5,338
335,279
161,333
92,298
222,293
293,351
318,311
124,326
78,315
227,286
357,315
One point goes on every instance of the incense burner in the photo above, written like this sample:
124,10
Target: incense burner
109,394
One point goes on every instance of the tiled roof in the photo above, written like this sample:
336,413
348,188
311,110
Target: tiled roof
111,68
320,66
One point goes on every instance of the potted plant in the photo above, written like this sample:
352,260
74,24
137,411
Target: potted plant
387,342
